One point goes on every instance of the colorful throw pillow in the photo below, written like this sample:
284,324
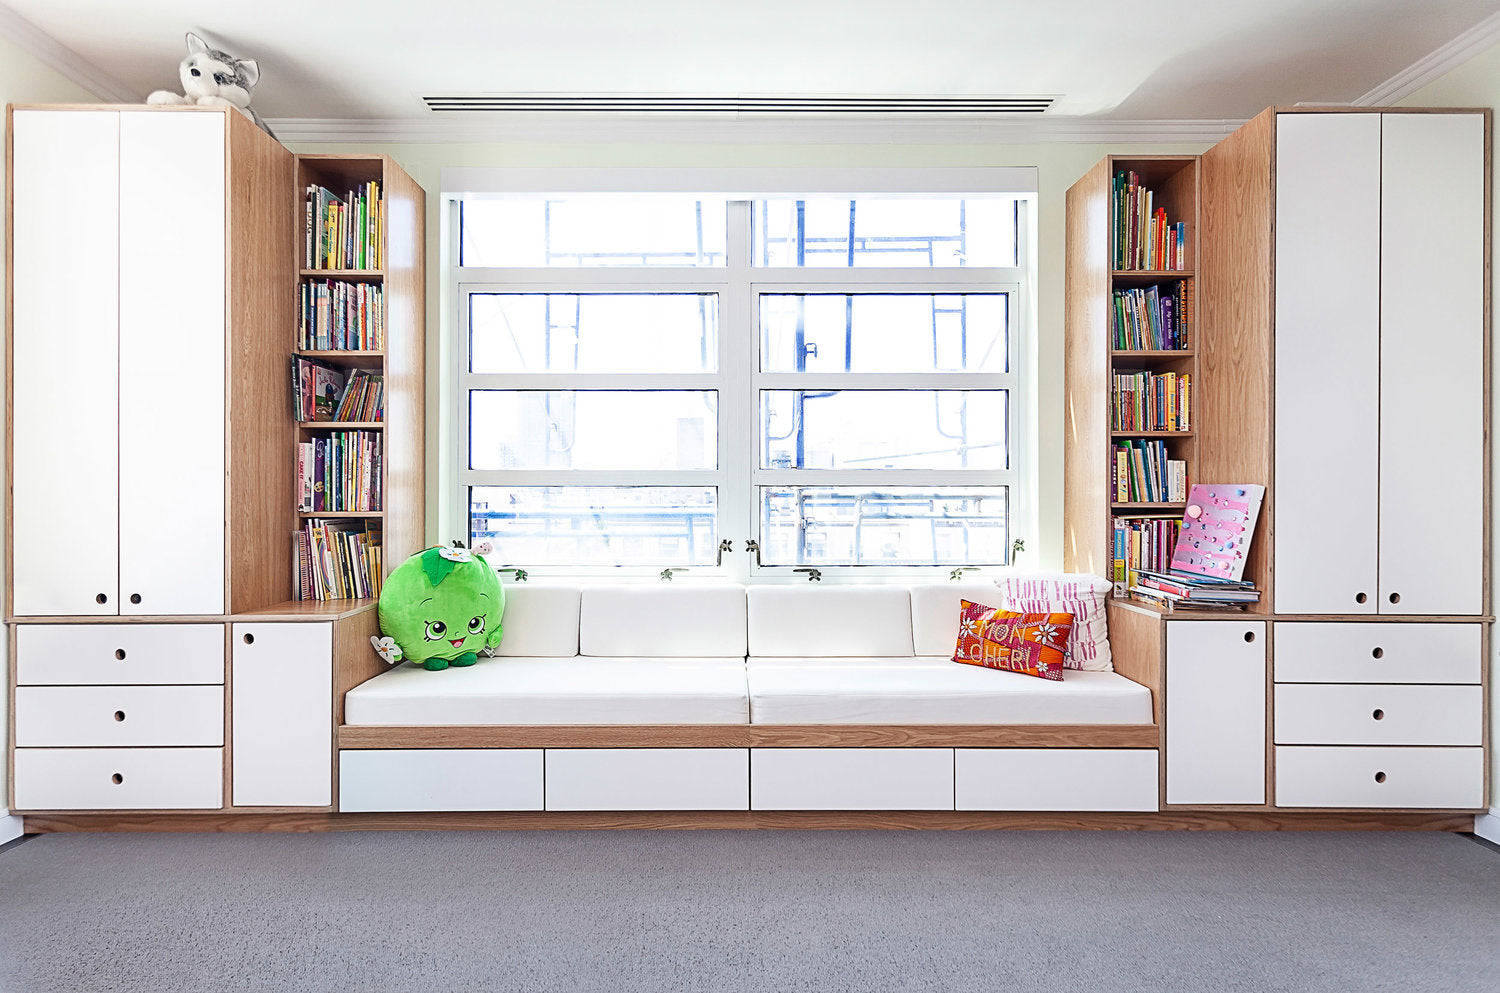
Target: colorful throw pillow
1079,594
1020,642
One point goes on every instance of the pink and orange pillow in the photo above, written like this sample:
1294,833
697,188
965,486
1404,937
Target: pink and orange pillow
1029,643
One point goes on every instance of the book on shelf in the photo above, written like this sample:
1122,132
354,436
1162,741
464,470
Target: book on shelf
1141,472
1144,238
1182,591
1142,543
337,560
363,398
1148,319
316,389
340,473
341,316
1151,401
345,232
1216,529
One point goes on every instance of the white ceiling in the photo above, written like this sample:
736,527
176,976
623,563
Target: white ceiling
1106,59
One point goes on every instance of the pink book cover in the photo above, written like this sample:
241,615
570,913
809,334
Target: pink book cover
1216,529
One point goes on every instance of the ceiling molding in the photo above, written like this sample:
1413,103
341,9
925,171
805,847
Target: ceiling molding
33,40
903,129
1444,59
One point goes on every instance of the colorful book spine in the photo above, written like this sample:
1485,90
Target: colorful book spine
1142,472
1144,237
1152,318
1142,544
1150,401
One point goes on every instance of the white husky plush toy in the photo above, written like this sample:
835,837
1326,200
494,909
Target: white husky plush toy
212,78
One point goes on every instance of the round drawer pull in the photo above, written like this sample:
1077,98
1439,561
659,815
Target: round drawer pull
1377,653
1380,777
1395,598
135,598
1249,636
117,779
101,598
120,654
1360,598
119,715
1378,714
248,639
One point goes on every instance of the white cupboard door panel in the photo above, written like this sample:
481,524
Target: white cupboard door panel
388,779
1327,271
1432,424
1378,652
172,322
65,341
1055,779
1216,712
92,654
1377,714
1435,778
119,778
648,779
105,716
282,715
851,778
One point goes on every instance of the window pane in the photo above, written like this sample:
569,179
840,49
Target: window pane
596,525
885,332
593,231
893,525
593,332
904,231
593,429
883,429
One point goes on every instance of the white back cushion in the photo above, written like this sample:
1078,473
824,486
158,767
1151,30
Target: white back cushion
934,613
663,621
540,621
829,622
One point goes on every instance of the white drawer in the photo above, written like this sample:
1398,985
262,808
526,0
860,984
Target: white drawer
1364,652
78,654
851,778
1055,779
648,779
68,716
119,778
440,779
1438,778
1378,714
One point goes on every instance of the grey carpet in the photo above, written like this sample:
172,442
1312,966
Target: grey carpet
773,910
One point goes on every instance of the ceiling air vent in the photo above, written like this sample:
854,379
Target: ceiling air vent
574,103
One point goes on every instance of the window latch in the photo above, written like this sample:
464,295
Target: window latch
753,547
666,574
957,575
813,575
724,546
520,574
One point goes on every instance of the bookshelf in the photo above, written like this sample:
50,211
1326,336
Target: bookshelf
378,288
1131,322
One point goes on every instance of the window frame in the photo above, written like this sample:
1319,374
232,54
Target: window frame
739,378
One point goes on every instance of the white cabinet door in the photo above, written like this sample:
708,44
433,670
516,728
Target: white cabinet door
388,779
648,778
172,363
1055,779
65,341
851,778
1216,712
282,715
1431,365
1327,362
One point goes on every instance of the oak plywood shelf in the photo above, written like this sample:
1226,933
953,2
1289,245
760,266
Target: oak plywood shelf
341,425
1152,353
371,275
1151,434
346,514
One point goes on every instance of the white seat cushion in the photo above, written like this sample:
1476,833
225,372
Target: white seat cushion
540,620
556,691
927,690
826,622
679,621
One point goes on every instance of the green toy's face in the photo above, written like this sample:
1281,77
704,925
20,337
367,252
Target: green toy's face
441,604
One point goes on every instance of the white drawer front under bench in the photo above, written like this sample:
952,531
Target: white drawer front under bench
440,779
648,779
1056,779
1371,652
119,778
1437,778
851,778
74,716
82,654
1378,714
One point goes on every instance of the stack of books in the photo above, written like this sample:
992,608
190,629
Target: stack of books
339,473
1152,401
1148,319
337,560
342,316
323,393
1142,543
1183,591
1144,238
1142,473
363,399
344,232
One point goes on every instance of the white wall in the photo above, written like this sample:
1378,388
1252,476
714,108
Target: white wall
1058,165
23,79
1476,83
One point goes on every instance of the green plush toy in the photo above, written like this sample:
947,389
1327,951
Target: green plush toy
439,608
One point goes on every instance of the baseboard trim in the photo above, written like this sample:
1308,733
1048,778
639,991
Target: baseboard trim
11,827
1487,826
933,820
